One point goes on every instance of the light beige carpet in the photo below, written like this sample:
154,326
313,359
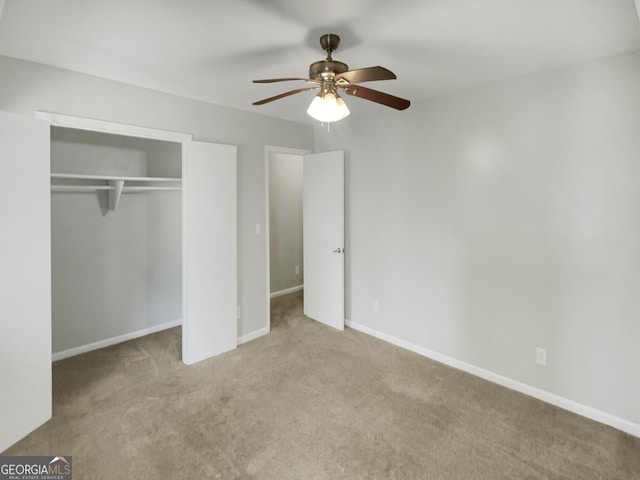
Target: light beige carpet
308,402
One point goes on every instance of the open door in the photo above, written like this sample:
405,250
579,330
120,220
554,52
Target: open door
209,250
323,225
25,276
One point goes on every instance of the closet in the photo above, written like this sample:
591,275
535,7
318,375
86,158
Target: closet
116,238
139,235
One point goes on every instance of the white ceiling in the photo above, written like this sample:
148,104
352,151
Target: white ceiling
211,50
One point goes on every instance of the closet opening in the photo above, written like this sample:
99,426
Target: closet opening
116,239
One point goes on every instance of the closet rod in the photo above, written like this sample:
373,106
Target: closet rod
80,176
94,188
79,188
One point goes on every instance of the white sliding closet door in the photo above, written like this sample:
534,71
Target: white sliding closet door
25,277
209,250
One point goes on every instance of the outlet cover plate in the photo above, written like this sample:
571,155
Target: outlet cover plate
541,356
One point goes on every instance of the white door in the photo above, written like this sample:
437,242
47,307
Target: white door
209,279
25,277
323,230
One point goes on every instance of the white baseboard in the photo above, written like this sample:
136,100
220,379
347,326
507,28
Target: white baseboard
140,333
112,341
548,397
286,291
253,335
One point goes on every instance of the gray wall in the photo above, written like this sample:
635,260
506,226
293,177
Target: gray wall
285,220
26,87
121,272
495,220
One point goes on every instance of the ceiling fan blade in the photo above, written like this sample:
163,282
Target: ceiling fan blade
282,95
273,80
376,96
366,75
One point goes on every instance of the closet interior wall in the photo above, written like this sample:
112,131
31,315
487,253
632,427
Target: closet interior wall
118,272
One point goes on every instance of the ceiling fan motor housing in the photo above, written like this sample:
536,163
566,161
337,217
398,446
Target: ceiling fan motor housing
326,68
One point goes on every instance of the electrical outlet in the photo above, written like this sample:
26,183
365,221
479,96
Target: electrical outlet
297,270
541,356
258,229
375,306
238,313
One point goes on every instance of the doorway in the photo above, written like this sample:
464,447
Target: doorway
284,185
319,207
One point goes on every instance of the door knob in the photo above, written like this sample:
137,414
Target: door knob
338,250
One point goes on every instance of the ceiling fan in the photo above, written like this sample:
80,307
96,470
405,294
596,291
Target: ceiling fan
330,76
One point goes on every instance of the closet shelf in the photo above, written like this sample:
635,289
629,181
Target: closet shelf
114,185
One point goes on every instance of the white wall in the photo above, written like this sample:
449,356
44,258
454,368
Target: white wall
285,220
119,272
26,87
495,220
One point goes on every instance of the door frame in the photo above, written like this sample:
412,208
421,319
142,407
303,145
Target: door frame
102,126
268,150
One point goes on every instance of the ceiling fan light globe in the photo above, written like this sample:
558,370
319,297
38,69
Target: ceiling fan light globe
328,108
